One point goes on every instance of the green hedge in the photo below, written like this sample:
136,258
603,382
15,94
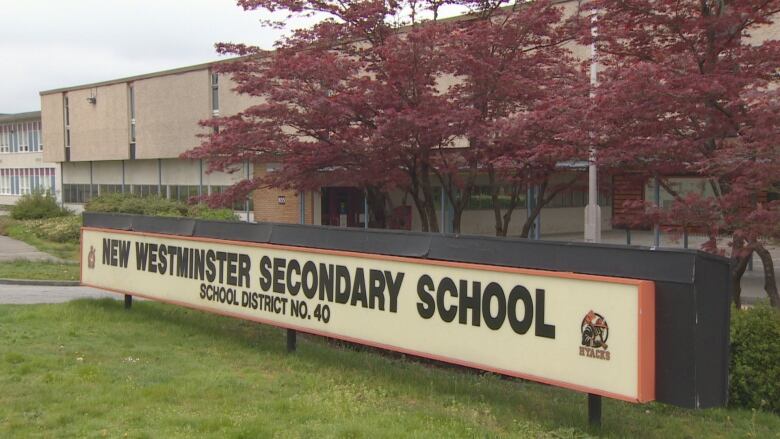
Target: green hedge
155,206
36,206
755,359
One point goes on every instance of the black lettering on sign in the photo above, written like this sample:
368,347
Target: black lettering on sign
359,289
426,307
265,273
394,287
326,282
543,329
162,254
309,279
446,286
376,289
116,252
293,287
494,290
141,255
520,294
471,302
278,277
342,284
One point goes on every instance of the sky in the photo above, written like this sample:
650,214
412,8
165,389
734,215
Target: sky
47,44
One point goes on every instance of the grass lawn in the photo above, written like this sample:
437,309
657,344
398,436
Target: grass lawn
91,369
38,270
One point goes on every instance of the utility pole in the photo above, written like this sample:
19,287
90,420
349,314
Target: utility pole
593,210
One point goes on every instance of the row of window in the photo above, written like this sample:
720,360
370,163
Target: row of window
21,181
82,193
21,137
481,198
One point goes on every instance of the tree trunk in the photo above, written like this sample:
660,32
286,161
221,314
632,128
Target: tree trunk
500,230
738,267
377,203
428,203
770,283
540,202
418,204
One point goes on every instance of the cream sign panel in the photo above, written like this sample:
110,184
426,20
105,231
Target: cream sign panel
589,333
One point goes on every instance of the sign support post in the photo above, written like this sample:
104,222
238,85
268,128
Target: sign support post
594,410
292,337
128,301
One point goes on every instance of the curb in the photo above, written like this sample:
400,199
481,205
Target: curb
48,283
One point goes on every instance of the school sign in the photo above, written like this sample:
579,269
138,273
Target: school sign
600,328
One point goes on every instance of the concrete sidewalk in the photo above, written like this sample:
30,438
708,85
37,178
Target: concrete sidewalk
11,249
32,294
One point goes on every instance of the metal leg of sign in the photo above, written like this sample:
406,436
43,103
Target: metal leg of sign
291,340
594,410
128,301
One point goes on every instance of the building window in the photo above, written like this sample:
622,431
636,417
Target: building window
215,93
5,138
183,193
78,193
20,137
104,189
131,98
66,120
21,181
239,205
145,190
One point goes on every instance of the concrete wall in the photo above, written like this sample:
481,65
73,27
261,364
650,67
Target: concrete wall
75,173
52,128
231,102
99,131
168,109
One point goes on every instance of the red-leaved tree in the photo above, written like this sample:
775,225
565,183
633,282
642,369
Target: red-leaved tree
527,94
374,97
689,88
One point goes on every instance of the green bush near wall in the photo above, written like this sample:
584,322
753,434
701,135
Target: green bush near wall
754,373
37,205
155,206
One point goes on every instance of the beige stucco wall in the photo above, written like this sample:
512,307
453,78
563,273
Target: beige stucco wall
180,172
141,172
24,160
231,102
107,172
75,172
168,109
52,128
99,131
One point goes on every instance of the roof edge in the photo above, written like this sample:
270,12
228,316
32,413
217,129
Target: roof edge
174,71
20,116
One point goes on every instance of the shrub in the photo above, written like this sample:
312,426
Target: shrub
201,211
36,206
754,380
155,206
63,229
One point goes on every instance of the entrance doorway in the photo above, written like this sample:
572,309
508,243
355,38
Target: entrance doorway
342,207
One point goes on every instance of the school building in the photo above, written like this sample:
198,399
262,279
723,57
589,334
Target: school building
22,167
126,135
